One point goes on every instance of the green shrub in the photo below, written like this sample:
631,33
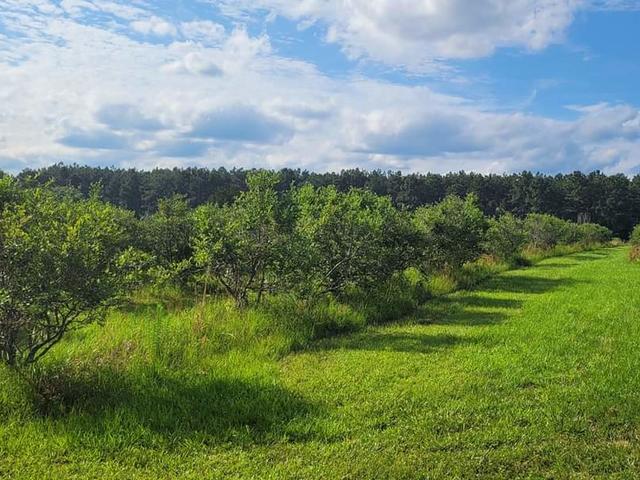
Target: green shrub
397,298
347,240
167,236
635,236
241,245
451,233
60,269
593,234
546,231
505,238
616,242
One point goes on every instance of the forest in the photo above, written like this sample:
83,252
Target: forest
609,200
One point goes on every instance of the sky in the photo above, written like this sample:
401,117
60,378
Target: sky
490,86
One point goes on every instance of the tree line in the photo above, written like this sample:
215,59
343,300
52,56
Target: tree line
66,259
612,201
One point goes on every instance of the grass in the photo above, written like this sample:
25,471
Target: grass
534,374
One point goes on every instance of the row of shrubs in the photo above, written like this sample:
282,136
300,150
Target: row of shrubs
634,241
65,260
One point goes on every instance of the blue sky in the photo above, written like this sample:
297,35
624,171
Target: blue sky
413,85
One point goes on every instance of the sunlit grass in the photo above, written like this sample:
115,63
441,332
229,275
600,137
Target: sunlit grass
534,374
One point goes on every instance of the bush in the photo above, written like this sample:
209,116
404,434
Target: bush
546,231
450,232
167,235
60,269
635,236
398,297
616,242
593,234
347,240
241,245
505,238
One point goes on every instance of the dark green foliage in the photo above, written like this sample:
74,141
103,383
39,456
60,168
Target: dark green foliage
546,231
593,234
635,236
398,297
505,237
167,236
59,268
612,201
241,245
342,256
450,234
354,239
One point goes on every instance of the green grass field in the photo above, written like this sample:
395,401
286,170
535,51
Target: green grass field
536,374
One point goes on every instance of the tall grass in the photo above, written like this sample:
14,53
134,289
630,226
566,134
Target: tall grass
164,335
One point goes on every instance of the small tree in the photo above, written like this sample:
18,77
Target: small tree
451,233
58,269
168,236
545,231
240,245
635,236
593,234
348,239
505,237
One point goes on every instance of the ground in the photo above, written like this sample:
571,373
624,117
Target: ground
535,374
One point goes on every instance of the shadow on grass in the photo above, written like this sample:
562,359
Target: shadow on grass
392,341
477,301
556,265
457,311
525,284
172,408
478,307
588,257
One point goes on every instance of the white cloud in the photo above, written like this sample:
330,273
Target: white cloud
616,5
194,63
88,93
415,33
154,26
78,8
204,31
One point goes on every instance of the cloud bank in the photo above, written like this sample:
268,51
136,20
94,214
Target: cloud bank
116,83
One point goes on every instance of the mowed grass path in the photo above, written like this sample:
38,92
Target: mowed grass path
534,375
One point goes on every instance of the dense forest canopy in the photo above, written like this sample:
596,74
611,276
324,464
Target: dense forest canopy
610,200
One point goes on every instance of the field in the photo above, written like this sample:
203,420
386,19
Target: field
534,374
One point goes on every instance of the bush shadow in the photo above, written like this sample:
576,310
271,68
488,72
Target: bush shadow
475,307
525,284
588,257
393,341
456,311
172,408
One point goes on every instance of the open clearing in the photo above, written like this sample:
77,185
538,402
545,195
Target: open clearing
534,375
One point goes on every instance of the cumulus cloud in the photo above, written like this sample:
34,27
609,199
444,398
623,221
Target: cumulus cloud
195,63
241,123
94,139
182,148
154,26
204,31
127,117
415,33
209,96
